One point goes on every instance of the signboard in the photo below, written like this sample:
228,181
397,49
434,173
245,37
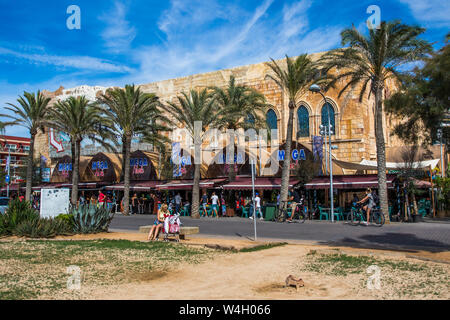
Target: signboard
46,174
54,202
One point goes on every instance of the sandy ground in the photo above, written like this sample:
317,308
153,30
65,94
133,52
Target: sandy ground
254,275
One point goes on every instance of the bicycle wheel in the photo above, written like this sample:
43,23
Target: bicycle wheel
378,218
353,218
302,217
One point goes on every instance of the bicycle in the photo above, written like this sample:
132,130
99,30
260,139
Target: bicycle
282,213
358,215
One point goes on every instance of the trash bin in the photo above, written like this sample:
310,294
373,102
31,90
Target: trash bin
269,213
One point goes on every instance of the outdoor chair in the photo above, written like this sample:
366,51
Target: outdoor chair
323,213
245,212
339,213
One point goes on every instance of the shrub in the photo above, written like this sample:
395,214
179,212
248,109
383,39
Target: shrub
43,228
17,212
67,218
91,219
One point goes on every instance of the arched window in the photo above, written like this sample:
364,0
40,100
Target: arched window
302,122
250,119
271,118
328,108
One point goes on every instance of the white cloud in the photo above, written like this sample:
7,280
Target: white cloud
203,38
434,13
118,34
77,62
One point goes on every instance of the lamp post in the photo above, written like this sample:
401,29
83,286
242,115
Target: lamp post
327,130
439,136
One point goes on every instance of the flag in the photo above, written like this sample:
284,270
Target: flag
8,160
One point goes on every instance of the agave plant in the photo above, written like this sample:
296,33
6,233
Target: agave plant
17,212
42,228
91,219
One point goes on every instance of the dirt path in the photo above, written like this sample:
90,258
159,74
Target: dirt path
253,275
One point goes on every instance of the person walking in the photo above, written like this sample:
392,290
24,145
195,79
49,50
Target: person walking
258,207
215,204
178,202
204,203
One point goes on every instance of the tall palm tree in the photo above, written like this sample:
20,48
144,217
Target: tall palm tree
31,113
370,61
294,80
132,112
190,108
80,119
238,103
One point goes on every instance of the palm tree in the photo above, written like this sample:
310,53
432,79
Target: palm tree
31,113
197,106
294,81
238,104
80,119
370,61
131,112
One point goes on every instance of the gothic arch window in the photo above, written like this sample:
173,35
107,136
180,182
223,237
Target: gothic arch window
250,119
271,118
328,108
302,122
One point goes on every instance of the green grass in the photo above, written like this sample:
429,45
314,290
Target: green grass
34,268
399,278
263,247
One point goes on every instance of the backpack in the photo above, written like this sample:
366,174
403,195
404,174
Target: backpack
376,199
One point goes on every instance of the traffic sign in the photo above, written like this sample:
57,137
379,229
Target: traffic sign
7,178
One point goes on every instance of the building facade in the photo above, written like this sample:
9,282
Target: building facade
17,148
354,135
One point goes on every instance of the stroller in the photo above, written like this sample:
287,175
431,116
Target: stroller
172,226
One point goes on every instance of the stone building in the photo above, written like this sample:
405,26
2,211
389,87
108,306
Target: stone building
354,138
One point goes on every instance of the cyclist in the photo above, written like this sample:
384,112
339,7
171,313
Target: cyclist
370,204
295,198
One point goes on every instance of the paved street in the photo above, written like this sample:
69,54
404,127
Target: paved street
430,236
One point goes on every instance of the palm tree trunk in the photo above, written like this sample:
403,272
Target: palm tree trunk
75,172
196,192
30,169
287,155
381,152
126,178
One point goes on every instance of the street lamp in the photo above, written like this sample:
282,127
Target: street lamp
439,136
326,130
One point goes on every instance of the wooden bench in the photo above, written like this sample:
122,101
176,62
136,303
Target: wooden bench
183,230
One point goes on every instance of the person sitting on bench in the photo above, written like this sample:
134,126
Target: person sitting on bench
159,222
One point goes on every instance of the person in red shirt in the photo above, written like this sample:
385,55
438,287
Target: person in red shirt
101,198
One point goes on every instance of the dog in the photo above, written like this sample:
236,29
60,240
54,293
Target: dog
291,281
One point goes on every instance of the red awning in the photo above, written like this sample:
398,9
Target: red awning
12,187
47,185
260,183
188,184
349,182
135,185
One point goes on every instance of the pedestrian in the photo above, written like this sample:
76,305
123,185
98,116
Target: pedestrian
134,203
101,198
178,202
204,203
258,207
215,204
224,207
81,199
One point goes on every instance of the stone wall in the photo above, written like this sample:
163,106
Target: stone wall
354,138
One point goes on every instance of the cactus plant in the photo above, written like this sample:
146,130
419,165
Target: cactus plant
91,219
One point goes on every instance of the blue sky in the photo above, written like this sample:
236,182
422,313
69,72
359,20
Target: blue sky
140,41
